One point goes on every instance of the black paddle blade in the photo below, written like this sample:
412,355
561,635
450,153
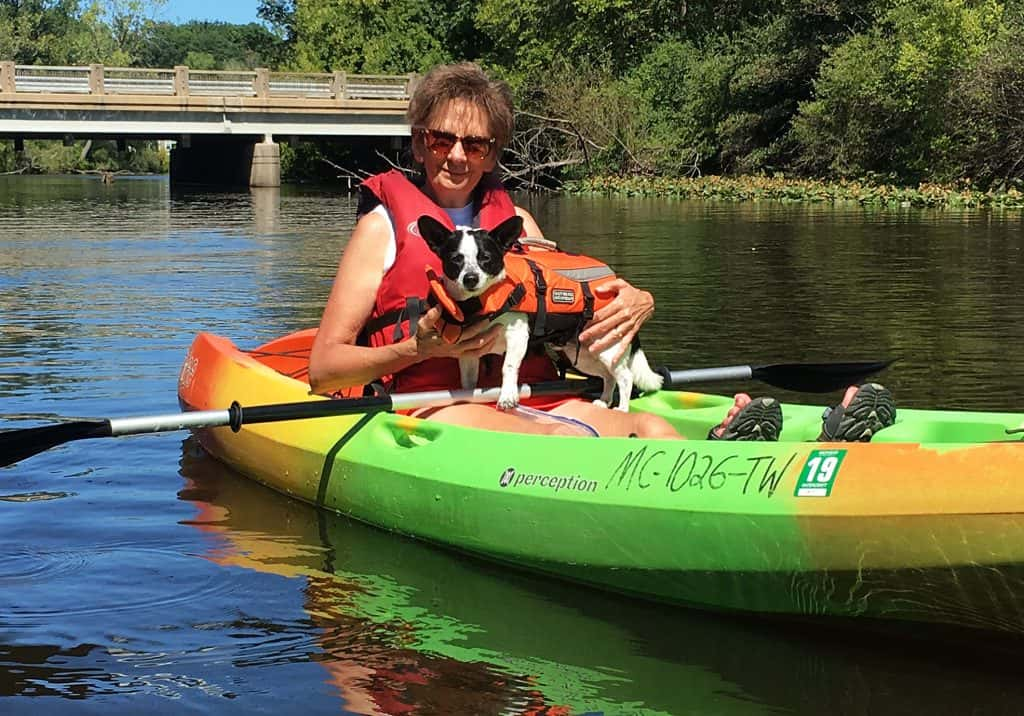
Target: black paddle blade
817,377
19,444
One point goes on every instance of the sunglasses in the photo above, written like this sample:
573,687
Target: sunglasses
441,143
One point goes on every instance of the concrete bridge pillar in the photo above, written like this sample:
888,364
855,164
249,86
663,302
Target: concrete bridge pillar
265,165
226,162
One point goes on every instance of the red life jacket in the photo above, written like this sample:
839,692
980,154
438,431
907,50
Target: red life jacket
404,288
553,288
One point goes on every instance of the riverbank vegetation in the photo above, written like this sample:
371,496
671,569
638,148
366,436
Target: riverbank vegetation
779,188
869,99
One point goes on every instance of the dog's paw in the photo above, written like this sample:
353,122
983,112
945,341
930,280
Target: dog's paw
508,400
600,403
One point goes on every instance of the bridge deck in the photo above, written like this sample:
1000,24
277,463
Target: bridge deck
128,101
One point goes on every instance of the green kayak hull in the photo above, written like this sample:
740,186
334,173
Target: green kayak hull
924,525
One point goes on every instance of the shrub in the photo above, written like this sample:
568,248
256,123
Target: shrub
879,100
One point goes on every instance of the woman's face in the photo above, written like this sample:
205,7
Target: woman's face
452,178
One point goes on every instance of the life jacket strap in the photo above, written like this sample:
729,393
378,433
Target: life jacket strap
413,309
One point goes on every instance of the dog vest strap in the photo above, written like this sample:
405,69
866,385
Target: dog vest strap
588,301
515,298
541,290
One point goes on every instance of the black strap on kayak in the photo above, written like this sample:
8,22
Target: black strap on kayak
328,466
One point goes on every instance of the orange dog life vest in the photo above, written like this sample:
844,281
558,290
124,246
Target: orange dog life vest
554,288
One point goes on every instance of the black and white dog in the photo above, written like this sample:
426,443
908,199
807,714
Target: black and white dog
474,260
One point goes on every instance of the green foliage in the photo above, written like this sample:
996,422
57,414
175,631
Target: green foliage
683,93
35,31
128,21
880,97
763,188
370,37
985,122
92,40
211,45
580,117
529,34
50,157
200,60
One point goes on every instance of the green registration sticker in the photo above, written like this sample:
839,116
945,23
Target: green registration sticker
819,473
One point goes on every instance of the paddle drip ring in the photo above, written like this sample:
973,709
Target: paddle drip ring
235,414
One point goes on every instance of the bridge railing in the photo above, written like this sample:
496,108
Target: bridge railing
183,81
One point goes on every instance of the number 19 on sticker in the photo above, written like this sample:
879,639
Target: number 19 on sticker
819,473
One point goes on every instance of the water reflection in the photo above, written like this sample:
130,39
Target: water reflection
266,203
400,622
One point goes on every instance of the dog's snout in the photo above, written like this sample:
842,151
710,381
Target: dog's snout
471,280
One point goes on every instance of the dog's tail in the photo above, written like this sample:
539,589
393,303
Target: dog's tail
644,377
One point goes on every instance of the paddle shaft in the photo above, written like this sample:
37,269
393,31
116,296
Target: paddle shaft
237,415
710,375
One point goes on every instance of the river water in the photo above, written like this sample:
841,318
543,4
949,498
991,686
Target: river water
137,574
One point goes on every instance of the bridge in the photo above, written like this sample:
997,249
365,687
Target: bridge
224,123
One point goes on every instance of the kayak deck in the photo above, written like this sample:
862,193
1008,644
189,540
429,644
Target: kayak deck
924,524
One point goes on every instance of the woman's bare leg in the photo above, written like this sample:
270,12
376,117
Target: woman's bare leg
487,418
615,423
607,422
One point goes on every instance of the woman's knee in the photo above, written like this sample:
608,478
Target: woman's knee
653,426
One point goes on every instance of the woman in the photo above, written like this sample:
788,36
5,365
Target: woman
461,120
371,330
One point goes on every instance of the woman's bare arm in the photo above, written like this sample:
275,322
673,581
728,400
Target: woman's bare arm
335,361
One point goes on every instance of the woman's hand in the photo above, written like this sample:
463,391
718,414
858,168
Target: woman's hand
619,321
476,339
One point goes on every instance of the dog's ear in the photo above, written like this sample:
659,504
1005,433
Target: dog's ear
507,232
433,232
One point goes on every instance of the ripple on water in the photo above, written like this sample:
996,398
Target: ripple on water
35,497
103,579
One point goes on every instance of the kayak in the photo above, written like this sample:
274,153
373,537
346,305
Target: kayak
923,526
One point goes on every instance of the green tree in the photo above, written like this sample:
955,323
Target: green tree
528,35
230,46
880,97
369,37
128,21
35,32
985,122
91,40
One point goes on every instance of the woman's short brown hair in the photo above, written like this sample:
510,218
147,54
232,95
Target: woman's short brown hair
467,81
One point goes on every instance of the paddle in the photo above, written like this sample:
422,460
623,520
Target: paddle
16,445
802,377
